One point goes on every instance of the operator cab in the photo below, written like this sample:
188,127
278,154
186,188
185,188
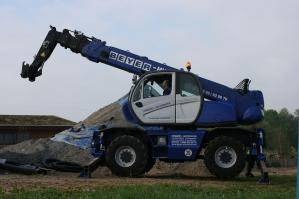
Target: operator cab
167,98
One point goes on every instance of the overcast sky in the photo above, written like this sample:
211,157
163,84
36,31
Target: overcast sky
226,41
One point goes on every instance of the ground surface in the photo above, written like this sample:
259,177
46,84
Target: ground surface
163,185
186,180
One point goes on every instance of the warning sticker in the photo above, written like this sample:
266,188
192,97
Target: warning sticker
183,140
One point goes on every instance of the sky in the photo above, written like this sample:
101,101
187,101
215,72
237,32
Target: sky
226,41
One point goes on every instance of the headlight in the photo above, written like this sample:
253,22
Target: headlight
161,141
92,144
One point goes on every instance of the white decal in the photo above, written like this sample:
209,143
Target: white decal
130,61
214,95
160,68
133,62
138,63
188,152
121,58
146,67
113,55
183,140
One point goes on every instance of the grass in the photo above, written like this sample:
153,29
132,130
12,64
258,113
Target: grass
281,187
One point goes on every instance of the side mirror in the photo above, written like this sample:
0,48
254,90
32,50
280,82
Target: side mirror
134,79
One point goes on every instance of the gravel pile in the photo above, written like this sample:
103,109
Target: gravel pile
110,115
106,114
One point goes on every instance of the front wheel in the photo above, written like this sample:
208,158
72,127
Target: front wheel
127,156
225,157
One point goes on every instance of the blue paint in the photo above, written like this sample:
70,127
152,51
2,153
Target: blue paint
227,105
216,112
184,145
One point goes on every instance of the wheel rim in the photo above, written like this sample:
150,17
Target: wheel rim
225,157
125,156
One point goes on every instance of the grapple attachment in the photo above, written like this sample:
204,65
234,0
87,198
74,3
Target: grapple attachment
35,69
73,40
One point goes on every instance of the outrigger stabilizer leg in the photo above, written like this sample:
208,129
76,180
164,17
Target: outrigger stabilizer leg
91,167
261,159
264,173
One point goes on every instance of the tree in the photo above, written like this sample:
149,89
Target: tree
293,152
281,132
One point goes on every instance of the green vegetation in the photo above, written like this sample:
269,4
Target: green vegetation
282,187
281,136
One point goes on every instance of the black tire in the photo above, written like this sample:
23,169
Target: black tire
150,164
225,166
138,166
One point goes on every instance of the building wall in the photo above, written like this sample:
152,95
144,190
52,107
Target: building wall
15,134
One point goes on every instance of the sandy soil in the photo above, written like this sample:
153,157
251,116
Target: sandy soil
70,181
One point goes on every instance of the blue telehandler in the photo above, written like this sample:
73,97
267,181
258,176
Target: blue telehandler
171,115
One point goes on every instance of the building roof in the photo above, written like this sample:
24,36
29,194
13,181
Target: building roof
33,120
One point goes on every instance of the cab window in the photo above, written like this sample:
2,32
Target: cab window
187,85
157,85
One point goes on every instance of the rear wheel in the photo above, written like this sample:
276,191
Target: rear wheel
225,157
127,156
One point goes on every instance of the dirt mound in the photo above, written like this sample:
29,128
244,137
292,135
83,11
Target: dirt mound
110,115
106,114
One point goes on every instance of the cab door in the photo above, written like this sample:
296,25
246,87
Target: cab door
151,102
188,98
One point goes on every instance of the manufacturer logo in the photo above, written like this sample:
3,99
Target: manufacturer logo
132,61
188,152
